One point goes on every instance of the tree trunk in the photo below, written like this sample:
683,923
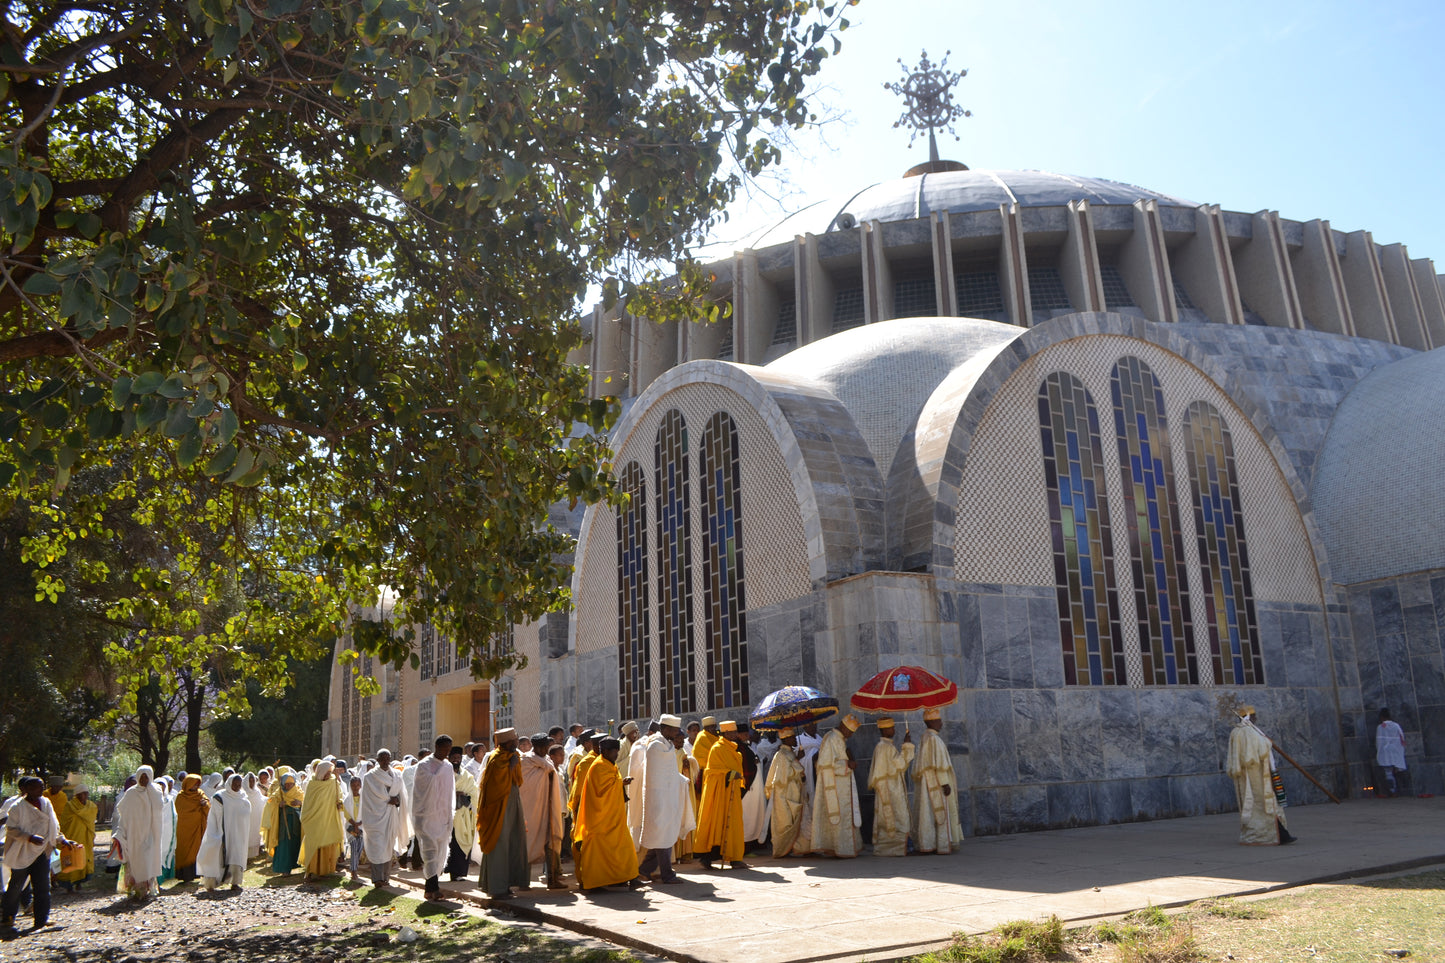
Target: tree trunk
195,696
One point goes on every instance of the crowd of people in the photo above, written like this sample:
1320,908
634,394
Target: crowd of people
623,810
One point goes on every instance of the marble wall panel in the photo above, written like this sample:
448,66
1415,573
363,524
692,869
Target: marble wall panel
1080,734
1036,735
1071,804
1123,735
1023,808
990,725
1111,801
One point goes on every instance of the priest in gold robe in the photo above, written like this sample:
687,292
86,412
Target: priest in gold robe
702,744
892,823
602,843
835,801
785,794
719,833
935,792
1251,765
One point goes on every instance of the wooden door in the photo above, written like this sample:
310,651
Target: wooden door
482,714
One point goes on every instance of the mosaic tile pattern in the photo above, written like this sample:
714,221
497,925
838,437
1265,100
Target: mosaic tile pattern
914,298
1219,522
1046,289
1156,543
722,564
1079,518
673,488
847,309
634,660
786,330
978,292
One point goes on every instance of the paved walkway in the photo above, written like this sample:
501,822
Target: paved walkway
782,911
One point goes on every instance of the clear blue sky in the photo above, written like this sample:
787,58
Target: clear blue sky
1322,109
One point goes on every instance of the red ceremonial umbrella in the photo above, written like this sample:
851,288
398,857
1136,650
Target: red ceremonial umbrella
905,689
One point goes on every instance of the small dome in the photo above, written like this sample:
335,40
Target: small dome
957,192
1377,486
884,373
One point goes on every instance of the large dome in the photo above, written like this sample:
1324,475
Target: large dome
956,192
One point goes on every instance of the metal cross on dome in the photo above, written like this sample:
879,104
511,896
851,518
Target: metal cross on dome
927,93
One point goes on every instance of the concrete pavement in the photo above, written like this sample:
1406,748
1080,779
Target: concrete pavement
787,911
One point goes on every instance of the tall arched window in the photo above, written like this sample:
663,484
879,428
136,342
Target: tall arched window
364,708
674,563
1223,554
1156,546
634,658
722,564
1079,518
348,710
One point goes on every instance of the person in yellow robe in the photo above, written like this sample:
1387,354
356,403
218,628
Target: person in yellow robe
320,825
935,798
56,794
687,765
702,745
602,843
891,818
785,792
77,824
192,808
719,833
281,822
584,761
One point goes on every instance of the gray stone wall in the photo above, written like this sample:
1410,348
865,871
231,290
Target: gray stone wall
1035,754
1399,639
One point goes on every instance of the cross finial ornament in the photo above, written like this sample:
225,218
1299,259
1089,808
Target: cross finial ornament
927,93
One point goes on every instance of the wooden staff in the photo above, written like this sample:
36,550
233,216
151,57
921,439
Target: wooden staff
1275,746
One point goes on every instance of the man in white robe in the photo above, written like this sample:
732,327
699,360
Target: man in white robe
835,800
32,831
226,843
1251,765
631,734
433,805
381,793
140,830
658,806
543,805
891,820
755,792
935,805
464,818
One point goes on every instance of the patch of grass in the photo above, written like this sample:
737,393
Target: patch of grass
1226,908
1149,935
1017,941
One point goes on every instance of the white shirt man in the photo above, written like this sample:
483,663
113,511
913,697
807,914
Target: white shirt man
659,802
381,793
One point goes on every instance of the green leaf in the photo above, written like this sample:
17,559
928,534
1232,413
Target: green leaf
298,362
54,416
190,448
221,461
41,285
227,427
120,391
173,387
245,461
147,383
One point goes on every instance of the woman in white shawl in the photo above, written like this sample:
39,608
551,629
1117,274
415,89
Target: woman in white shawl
228,836
140,832
258,807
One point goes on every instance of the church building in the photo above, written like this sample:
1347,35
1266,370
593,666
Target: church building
1112,460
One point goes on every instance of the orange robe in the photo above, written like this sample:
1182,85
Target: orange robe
579,779
720,818
602,844
192,808
500,773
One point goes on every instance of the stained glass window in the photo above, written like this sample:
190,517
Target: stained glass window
1223,554
444,652
1079,517
674,564
722,564
1156,546
427,651
348,709
363,710
634,660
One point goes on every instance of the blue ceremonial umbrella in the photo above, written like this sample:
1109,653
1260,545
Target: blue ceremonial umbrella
794,705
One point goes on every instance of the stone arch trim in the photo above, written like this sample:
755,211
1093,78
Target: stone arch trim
968,394
819,456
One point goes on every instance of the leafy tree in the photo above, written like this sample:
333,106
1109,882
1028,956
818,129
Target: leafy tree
328,255
287,726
